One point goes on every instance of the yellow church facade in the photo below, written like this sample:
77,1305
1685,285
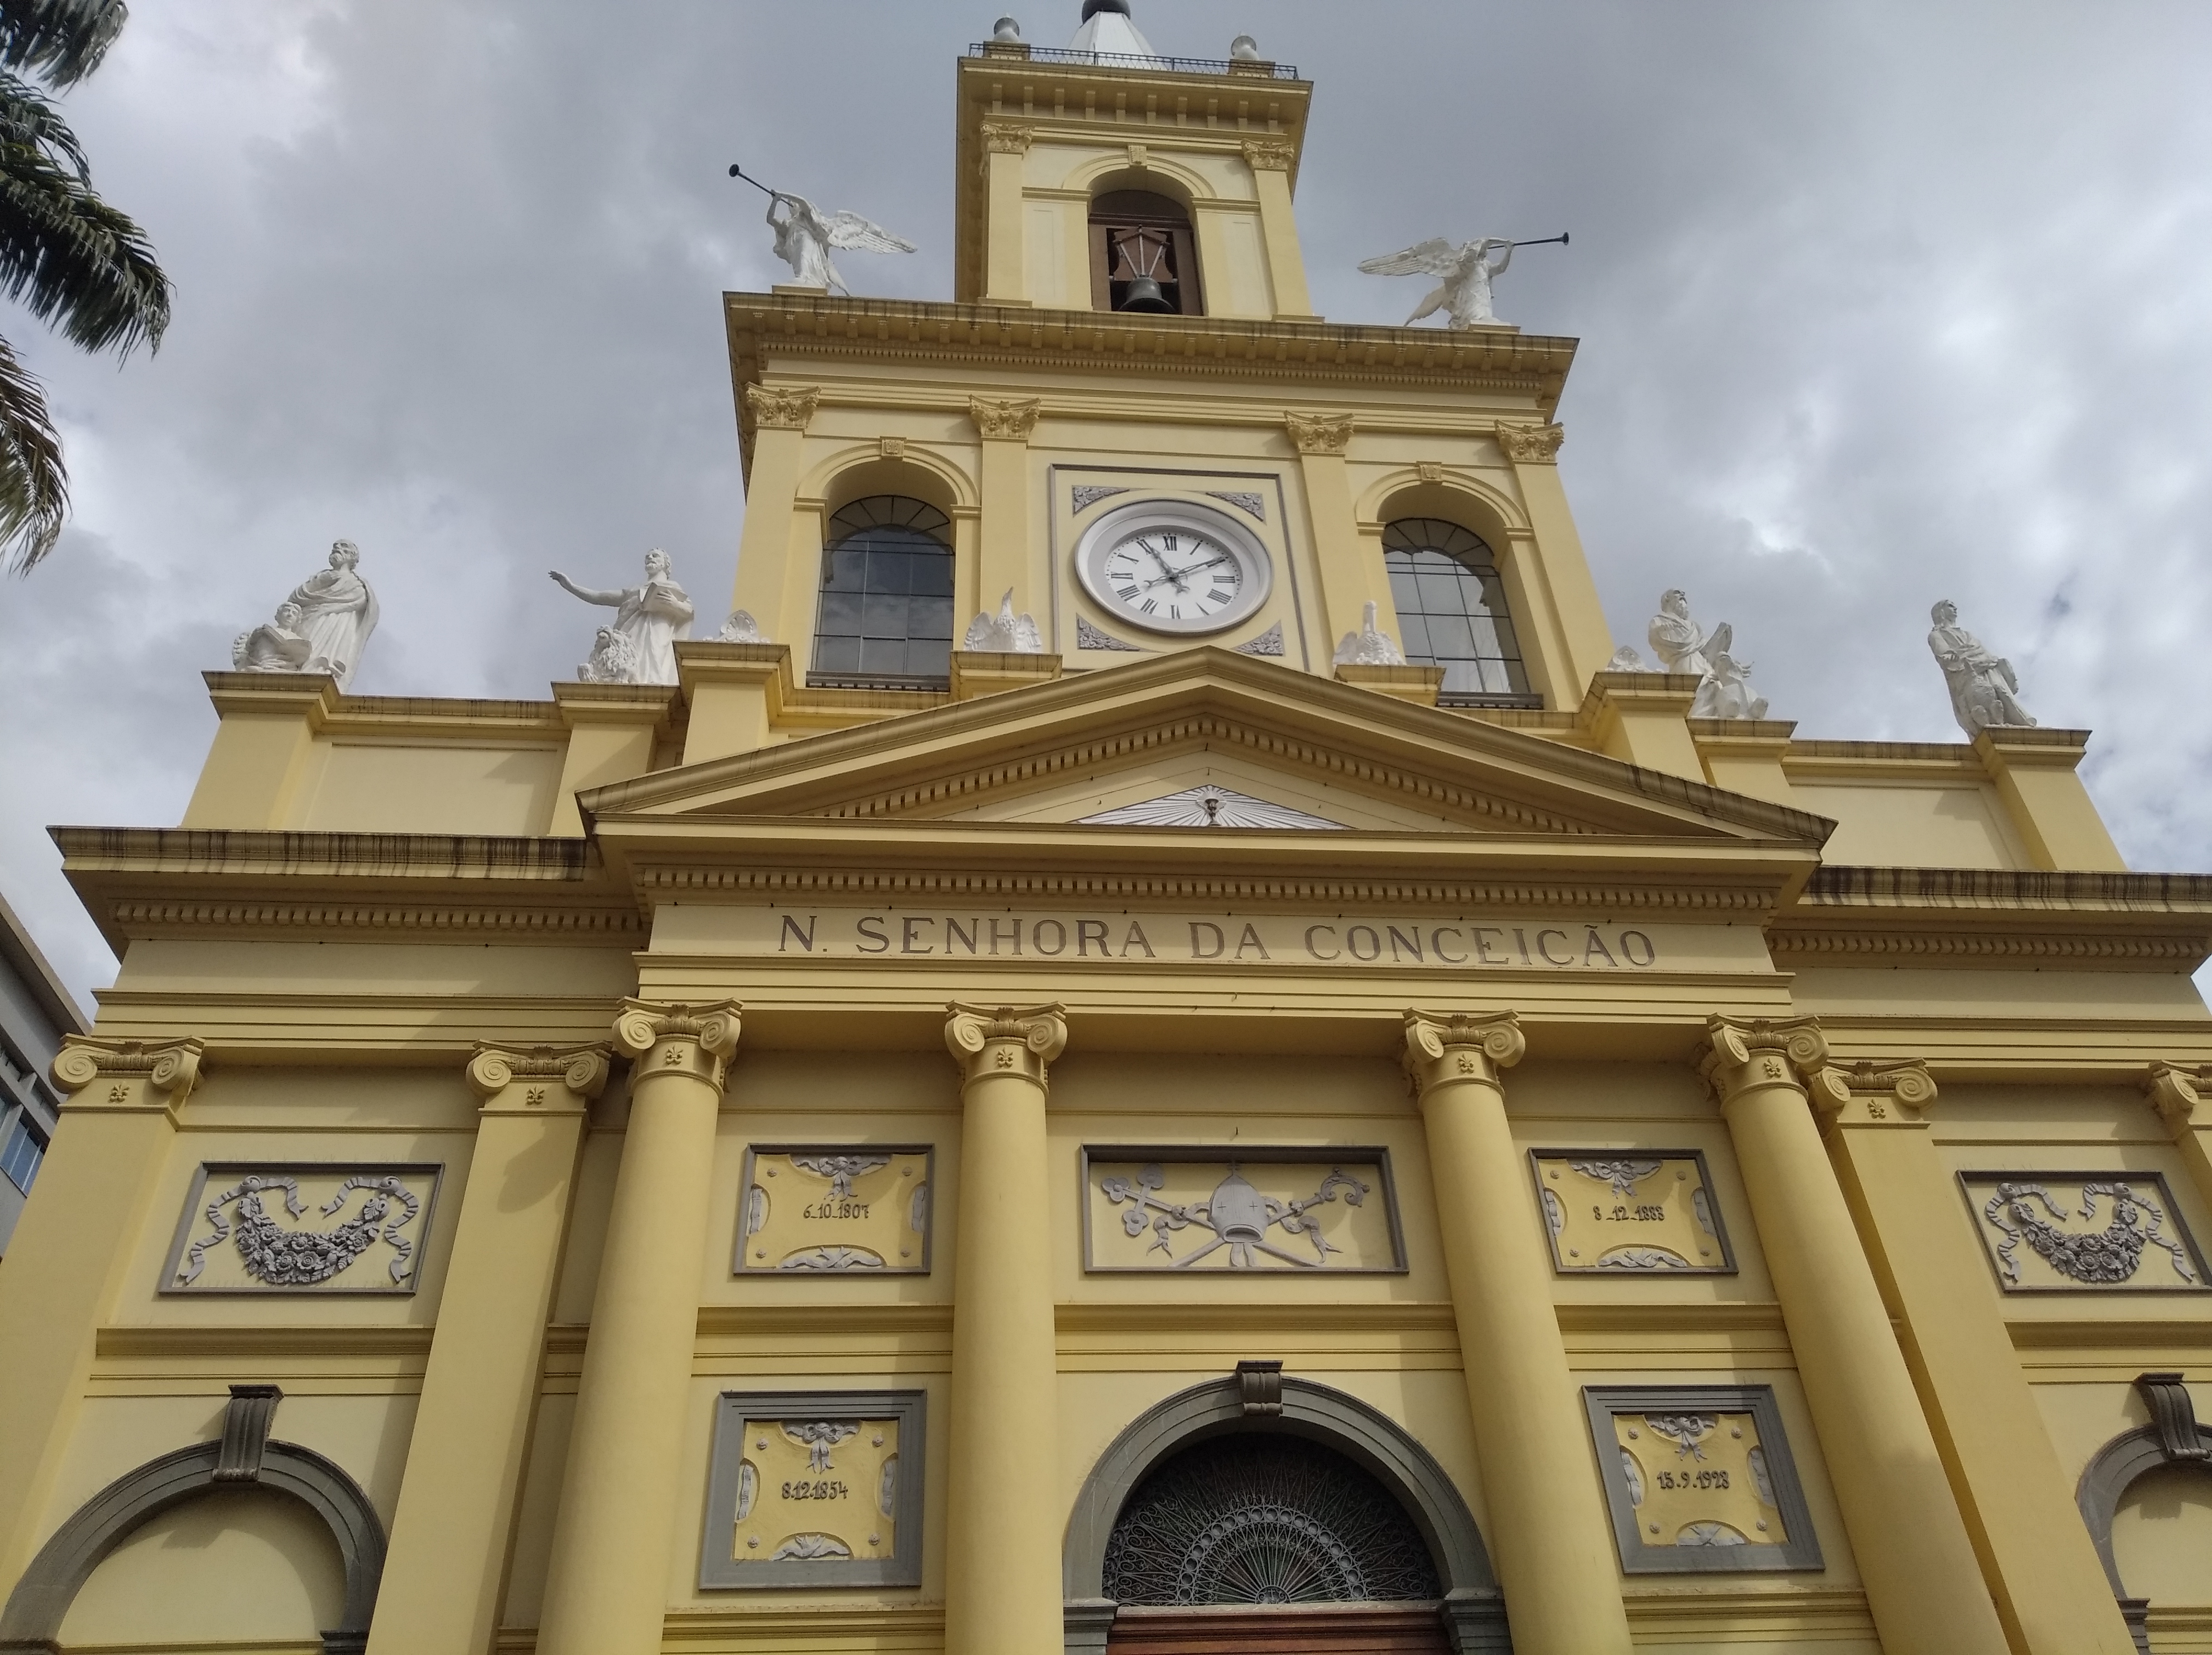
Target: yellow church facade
1144,1136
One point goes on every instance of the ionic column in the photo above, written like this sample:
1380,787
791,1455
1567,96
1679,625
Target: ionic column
456,1502
1549,1532
1924,1584
606,1587
2050,1592
1003,1517
66,1260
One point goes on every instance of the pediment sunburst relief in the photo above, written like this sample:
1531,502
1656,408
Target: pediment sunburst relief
1063,751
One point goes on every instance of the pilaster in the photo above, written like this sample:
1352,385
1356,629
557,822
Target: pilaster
1581,643
1003,564
612,730
2176,1093
1348,585
65,1261
2039,1564
451,1534
1271,159
1924,1581
776,580
1644,719
606,1592
1003,1516
1549,1531
1005,152
735,692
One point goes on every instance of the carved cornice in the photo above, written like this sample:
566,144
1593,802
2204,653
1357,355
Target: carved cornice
1446,1047
1873,1094
1270,155
1005,422
1743,1057
1319,434
1006,1040
785,408
1998,948
97,1075
662,1039
537,1080
1531,445
1007,137
1982,889
145,919
2175,1091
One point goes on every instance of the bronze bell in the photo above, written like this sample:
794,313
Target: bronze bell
1145,295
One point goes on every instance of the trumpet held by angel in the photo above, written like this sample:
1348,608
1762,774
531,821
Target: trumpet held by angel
805,235
1468,269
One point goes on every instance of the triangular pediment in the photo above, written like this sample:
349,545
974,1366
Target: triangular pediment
1060,752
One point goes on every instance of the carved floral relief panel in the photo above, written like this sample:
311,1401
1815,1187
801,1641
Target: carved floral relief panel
835,1207
1247,1209
1700,1479
261,1226
2083,1232
1644,1211
815,1488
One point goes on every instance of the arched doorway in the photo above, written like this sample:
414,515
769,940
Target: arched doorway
1264,1513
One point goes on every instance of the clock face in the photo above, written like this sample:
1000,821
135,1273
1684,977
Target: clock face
1169,566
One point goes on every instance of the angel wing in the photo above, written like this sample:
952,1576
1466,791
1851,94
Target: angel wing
1434,257
1028,640
851,230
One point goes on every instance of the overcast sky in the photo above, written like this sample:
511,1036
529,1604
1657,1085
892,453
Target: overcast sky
1878,304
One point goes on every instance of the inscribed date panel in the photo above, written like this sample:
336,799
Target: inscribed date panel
253,1227
1647,1210
836,1207
1700,1479
2083,1232
1286,1210
815,1488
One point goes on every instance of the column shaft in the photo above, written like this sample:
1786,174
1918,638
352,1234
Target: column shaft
66,1260
1924,1584
1002,1593
1549,1531
2038,1561
456,1502
606,1588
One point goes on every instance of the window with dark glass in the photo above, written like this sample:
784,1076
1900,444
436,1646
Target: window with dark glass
22,1147
1451,608
886,611
1141,255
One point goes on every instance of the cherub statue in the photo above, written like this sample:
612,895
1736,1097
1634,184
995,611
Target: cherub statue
1468,272
1984,690
1006,632
804,238
276,645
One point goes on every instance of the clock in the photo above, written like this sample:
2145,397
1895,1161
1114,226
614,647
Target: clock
1174,566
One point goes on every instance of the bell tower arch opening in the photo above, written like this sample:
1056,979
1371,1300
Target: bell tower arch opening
1142,258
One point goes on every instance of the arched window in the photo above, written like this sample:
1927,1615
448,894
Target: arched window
1451,609
1142,258
886,613
1262,1519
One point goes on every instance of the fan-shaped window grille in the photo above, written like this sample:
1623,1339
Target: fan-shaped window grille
1451,608
1254,1518
886,611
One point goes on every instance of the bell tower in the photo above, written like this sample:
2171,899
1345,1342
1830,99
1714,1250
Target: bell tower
1192,162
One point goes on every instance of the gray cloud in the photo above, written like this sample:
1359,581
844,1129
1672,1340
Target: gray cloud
1878,304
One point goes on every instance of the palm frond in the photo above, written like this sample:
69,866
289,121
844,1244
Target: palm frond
70,257
33,487
60,41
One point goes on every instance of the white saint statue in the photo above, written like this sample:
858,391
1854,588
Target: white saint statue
1468,272
276,645
1985,689
649,620
337,611
1724,683
804,237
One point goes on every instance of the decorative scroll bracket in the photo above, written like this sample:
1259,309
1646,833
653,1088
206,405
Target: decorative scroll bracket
246,1424
1259,1386
2173,1416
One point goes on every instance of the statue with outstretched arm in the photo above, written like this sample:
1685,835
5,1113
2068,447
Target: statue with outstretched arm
650,619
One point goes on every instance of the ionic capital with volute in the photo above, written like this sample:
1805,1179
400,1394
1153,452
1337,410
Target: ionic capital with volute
666,1039
1442,1047
97,1075
1872,1094
1746,1055
2175,1089
1006,1040
537,1080
781,408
